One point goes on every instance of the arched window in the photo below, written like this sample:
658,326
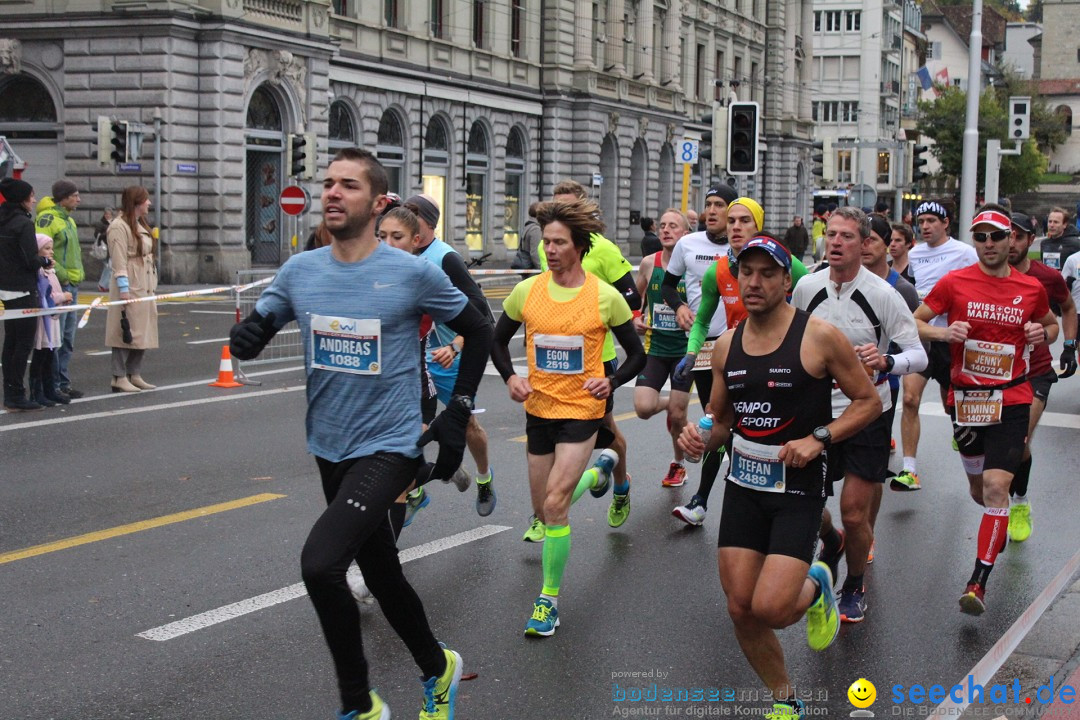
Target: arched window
28,119
390,149
263,111
515,187
1065,115
265,172
477,163
342,129
437,165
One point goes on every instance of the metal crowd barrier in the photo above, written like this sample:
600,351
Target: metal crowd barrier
286,345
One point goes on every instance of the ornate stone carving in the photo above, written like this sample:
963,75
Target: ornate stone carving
318,17
670,135
613,122
10,56
643,126
281,65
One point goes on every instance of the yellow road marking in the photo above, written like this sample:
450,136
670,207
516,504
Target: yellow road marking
135,527
624,416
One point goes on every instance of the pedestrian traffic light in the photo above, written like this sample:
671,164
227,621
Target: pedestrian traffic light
742,150
104,132
918,162
121,153
823,161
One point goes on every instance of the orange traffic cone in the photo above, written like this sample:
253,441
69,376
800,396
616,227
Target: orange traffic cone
225,377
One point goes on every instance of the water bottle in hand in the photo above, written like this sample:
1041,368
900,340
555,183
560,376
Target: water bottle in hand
704,428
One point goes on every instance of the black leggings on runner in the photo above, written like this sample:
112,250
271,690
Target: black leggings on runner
357,525
710,464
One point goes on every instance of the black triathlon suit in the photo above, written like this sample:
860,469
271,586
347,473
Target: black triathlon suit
775,401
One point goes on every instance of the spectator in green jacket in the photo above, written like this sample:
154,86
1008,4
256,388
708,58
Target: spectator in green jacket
54,219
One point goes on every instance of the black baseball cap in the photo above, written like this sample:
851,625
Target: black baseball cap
1023,223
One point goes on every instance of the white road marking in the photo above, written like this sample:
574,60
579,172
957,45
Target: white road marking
276,597
148,408
214,312
100,352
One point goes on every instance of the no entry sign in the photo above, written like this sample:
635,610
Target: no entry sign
294,200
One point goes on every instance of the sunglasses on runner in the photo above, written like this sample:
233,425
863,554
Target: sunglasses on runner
995,235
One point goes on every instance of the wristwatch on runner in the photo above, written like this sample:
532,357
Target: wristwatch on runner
465,401
823,436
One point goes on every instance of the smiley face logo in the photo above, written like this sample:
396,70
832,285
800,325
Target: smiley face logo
862,693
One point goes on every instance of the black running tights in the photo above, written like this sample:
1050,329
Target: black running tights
357,525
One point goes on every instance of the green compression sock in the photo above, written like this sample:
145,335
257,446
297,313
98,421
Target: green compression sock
588,479
556,553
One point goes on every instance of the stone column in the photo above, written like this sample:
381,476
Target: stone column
671,58
645,50
613,55
583,39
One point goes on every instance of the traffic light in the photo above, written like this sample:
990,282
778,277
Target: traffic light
706,147
918,162
104,132
121,153
742,155
1019,118
300,149
823,161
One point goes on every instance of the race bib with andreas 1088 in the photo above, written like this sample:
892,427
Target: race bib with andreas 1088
346,345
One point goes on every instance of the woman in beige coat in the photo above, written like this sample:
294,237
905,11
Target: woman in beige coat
131,257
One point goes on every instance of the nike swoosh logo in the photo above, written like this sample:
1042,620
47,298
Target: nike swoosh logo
383,286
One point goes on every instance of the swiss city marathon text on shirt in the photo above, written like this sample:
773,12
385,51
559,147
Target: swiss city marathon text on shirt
997,314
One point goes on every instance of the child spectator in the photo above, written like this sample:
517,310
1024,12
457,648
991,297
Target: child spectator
48,338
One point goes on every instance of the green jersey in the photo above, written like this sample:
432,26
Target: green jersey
663,336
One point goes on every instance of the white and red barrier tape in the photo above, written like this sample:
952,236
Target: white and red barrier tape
99,303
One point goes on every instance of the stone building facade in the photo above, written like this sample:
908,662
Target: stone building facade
484,104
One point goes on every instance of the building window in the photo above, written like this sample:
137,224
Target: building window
340,7
390,149
721,74
477,162
825,111
599,40
437,165
843,167
479,36
391,13
832,20
883,162
517,25
854,21
849,111
515,188
342,132
817,21
437,22
1065,116
699,70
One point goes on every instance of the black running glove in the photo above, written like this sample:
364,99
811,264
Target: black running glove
448,429
1068,360
684,368
248,338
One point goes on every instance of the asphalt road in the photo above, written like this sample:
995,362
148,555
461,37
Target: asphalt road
640,605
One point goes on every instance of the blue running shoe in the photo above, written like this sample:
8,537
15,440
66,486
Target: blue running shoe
415,501
544,620
852,606
822,619
604,465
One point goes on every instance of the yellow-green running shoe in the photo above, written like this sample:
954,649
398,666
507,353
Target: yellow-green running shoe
1020,521
905,482
822,619
379,710
619,510
783,711
440,692
536,531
